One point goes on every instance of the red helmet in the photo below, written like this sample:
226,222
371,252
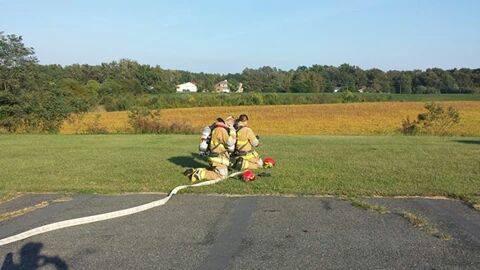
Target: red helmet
268,162
248,176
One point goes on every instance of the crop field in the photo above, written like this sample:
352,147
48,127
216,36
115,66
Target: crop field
336,165
379,118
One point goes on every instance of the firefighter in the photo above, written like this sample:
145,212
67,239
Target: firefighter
221,144
246,156
206,137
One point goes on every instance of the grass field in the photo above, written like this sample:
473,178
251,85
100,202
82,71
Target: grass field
318,119
189,100
339,165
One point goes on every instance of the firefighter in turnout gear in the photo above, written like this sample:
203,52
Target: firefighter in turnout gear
246,156
221,144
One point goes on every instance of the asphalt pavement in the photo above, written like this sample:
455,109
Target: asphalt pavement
252,232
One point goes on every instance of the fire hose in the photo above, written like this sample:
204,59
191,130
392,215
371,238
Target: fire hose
106,216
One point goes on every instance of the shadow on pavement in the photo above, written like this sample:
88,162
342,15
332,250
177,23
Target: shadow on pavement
191,161
30,258
468,141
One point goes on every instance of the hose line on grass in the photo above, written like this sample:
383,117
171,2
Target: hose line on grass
106,216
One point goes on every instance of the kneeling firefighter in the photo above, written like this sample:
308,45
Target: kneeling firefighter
221,143
246,156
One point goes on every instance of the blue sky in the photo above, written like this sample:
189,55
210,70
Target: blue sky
227,36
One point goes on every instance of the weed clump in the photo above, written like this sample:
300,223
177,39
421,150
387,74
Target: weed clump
415,220
424,225
367,206
436,121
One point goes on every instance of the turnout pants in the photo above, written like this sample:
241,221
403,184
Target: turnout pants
218,167
250,161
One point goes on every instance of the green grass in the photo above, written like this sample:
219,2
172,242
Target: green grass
431,97
415,220
186,100
337,165
367,206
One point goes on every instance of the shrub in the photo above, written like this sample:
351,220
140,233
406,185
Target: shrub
256,99
75,120
436,121
143,120
271,99
348,96
96,127
37,112
177,128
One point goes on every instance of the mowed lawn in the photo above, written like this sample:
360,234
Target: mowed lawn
350,165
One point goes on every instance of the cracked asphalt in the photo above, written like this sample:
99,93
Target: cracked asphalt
253,232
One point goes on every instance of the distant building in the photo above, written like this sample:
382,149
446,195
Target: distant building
222,87
188,87
240,88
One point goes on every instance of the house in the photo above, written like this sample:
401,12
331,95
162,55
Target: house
240,88
187,88
222,87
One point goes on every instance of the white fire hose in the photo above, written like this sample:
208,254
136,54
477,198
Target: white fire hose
105,216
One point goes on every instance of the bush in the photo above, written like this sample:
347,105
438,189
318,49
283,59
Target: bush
96,127
118,103
37,112
75,120
143,120
436,121
271,99
348,97
177,128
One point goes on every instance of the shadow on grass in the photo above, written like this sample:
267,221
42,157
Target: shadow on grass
468,141
192,161
31,258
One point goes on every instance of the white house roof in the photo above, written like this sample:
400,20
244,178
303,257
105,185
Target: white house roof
222,82
186,84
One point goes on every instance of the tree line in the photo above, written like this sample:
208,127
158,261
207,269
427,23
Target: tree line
39,97
130,77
